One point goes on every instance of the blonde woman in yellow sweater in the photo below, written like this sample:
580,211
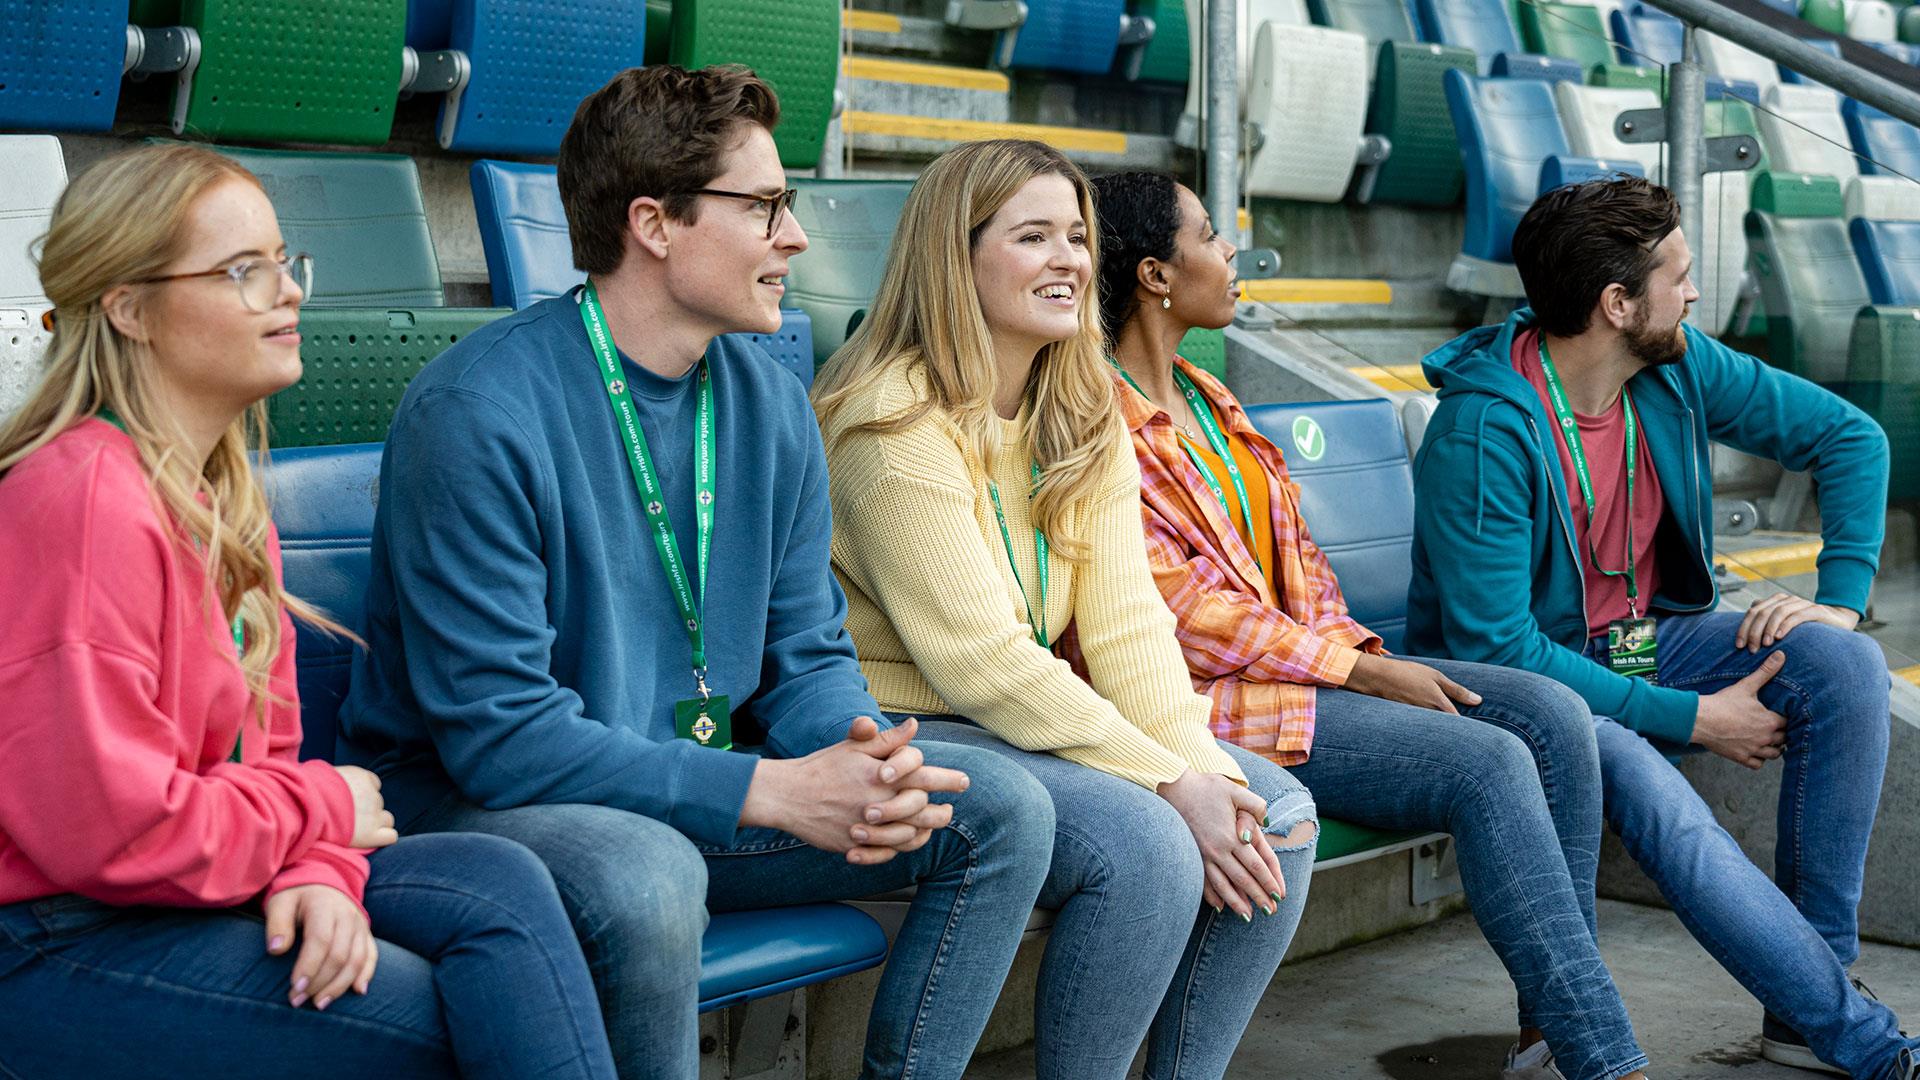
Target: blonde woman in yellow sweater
986,503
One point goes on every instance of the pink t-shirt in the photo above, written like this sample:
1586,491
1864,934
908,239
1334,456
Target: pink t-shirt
1604,438
122,700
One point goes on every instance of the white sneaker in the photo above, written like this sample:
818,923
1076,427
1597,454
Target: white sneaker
1533,1063
1795,1054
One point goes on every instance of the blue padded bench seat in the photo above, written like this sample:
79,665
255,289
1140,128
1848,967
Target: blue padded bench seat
323,502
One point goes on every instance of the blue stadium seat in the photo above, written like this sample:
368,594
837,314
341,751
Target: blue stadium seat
1887,146
1356,496
1889,254
1064,35
523,229
60,64
1535,66
323,502
1899,50
1559,171
429,24
1507,128
1481,25
532,62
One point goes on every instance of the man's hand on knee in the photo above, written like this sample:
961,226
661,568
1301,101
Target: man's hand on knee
1734,724
866,796
1769,620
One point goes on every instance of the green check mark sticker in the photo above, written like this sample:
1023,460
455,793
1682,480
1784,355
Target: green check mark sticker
1308,438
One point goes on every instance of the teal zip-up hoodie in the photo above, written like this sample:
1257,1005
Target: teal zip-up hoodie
1496,578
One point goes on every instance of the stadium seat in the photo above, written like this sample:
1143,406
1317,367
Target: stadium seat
377,313
1356,496
1572,31
1507,129
1629,77
324,73
1376,20
32,175
1869,20
1556,172
60,65
1253,13
1552,69
1165,59
793,44
1828,15
1883,380
1804,133
1909,24
1720,252
1649,36
1307,99
1809,280
1063,35
531,63
523,230
1409,108
1588,114
849,227
1886,241
1206,349
1732,62
1480,25
323,501
1886,146
1899,50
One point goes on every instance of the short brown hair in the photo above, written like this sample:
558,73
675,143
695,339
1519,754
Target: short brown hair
1576,240
658,131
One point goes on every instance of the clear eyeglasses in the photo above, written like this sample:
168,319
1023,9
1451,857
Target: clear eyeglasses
258,280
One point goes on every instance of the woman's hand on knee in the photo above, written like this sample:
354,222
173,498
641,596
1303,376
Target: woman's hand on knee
337,947
1225,821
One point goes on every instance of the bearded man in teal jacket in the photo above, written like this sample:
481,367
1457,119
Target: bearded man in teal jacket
1564,526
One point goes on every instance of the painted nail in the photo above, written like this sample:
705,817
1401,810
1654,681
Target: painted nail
1218,910
323,1003
1268,911
278,941
300,985
1266,821
1277,897
299,1000
1246,836
1246,917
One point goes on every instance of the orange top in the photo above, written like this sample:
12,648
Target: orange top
1255,479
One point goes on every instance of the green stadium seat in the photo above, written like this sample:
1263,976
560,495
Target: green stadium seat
1378,21
1571,31
1883,380
1629,76
311,73
1207,350
1909,24
1165,59
1409,107
1809,280
793,44
377,314
849,225
1339,839
1828,15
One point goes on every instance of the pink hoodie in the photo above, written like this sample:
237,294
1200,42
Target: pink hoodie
120,700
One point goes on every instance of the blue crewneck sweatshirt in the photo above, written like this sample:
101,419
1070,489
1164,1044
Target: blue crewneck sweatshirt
523,645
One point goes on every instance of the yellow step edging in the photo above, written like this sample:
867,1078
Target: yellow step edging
1911,674
874,22
1316,291
1396,377
959,131
1782,561
906,71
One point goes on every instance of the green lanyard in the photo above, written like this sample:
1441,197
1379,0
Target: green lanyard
1215,440
1570,427
647,481
239,630
1039,558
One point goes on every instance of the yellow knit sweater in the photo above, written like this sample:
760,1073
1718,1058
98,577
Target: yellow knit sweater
940,621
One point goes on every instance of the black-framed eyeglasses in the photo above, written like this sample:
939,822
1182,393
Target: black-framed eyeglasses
258,280
773,203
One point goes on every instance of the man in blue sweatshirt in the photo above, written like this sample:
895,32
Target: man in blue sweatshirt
1564,526
602,620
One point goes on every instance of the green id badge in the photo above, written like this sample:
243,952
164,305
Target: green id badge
1632,650
707,721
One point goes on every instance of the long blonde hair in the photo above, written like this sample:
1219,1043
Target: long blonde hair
927,314
124,220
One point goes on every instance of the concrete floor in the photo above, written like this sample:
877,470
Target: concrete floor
1435,1004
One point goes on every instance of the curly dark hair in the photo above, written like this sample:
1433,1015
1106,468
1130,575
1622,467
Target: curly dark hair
1576,240
1138,218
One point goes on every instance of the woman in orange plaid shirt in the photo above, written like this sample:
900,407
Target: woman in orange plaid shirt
1509,770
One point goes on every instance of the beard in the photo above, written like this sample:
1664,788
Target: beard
1656,347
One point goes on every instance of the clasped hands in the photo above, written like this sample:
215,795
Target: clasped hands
867,796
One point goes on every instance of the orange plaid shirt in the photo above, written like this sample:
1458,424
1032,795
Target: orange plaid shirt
1258,656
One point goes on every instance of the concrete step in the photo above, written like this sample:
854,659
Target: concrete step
878,84
905,136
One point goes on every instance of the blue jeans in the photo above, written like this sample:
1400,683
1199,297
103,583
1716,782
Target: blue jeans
1790,940
638,891
1133,953
478,976
1516,780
